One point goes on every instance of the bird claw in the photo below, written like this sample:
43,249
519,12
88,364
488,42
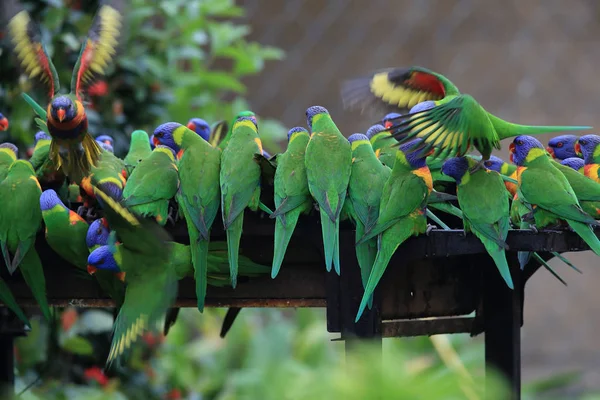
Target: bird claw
429,229
477,166
172,215
534,229
91,214
81,210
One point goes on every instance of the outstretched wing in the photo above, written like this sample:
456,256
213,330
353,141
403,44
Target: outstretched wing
98,49
32,55
396,89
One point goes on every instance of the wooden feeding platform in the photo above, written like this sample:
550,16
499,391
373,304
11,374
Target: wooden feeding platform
431,285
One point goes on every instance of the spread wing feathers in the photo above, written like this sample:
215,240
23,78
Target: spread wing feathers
137,234
450,128
396,89
98,49
218,132
146,302
30,51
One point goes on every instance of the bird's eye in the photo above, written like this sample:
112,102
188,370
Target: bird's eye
559,144
583,142
520,142
159,134
488,163
99,231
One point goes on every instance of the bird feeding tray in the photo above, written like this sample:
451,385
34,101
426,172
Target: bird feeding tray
430,287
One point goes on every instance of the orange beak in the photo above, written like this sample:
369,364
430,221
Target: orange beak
551,151
511,158
104,222
192,126
577,148
511,148
121,276
61,114
91,269
3,124
155,141
388,124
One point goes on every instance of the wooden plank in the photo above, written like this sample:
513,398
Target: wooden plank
420,327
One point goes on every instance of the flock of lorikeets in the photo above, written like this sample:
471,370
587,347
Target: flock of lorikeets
383,181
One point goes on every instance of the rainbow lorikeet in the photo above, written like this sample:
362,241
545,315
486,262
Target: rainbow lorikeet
383,144
328,163
222,132
72,148
484,203
199,193
543,186
8,155
449,122
499,165
563,146
3,123
106,139
401,212
201,127
586,190
576,163
588,146
389,118
139,149
292,196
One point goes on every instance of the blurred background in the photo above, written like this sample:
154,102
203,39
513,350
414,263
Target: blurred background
526,61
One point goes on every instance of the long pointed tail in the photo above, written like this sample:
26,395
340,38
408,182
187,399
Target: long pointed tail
283,234
365,254
329,235
33,273
507,129
587,234
9,301
499,257
200,263
234,234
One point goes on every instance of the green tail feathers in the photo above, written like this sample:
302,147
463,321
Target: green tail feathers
283,234
507,129
33,273
499,257
234,235
328,228
587,234
200,263
9,301
365,254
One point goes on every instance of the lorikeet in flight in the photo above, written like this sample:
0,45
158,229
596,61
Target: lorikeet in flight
73,149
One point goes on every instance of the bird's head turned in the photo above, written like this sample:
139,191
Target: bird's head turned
102,258
422,106
97,234
494,164
312,113
165,134
574,162
374,130
358,139
563,146
9,149
249,121
3,123
456,168
247,113
524,149
41,135
414,155
295,132
200,126
390,119
588,147
106,139
49,199
105,146
63,109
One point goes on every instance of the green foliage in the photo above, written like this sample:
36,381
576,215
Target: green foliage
179,60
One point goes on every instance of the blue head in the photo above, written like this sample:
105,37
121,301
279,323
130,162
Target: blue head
106,139
587,145
390,119
63,109
356,137
105,146
250,118
163,134
102,258
563,146
3,123
296,130
49,199
522,146
423,106
456,168
494,163
11,147
97,234
415,157
574,162
311,112
374,130
41,135
200,126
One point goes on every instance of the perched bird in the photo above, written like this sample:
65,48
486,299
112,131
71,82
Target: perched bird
97,234
328,161
383,144
563,146
240,184
574,162
3,123
448,122
389,119
108,171
141,253
365,189
216,138
586,190
292,196
8,155
199,193
106,139
72,148
483,201
588,146
545,188
499,165
201,127
106,147
152,184
20,219
401,212
40,151
139,148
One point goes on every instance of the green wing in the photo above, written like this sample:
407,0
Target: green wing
584,188
150,185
